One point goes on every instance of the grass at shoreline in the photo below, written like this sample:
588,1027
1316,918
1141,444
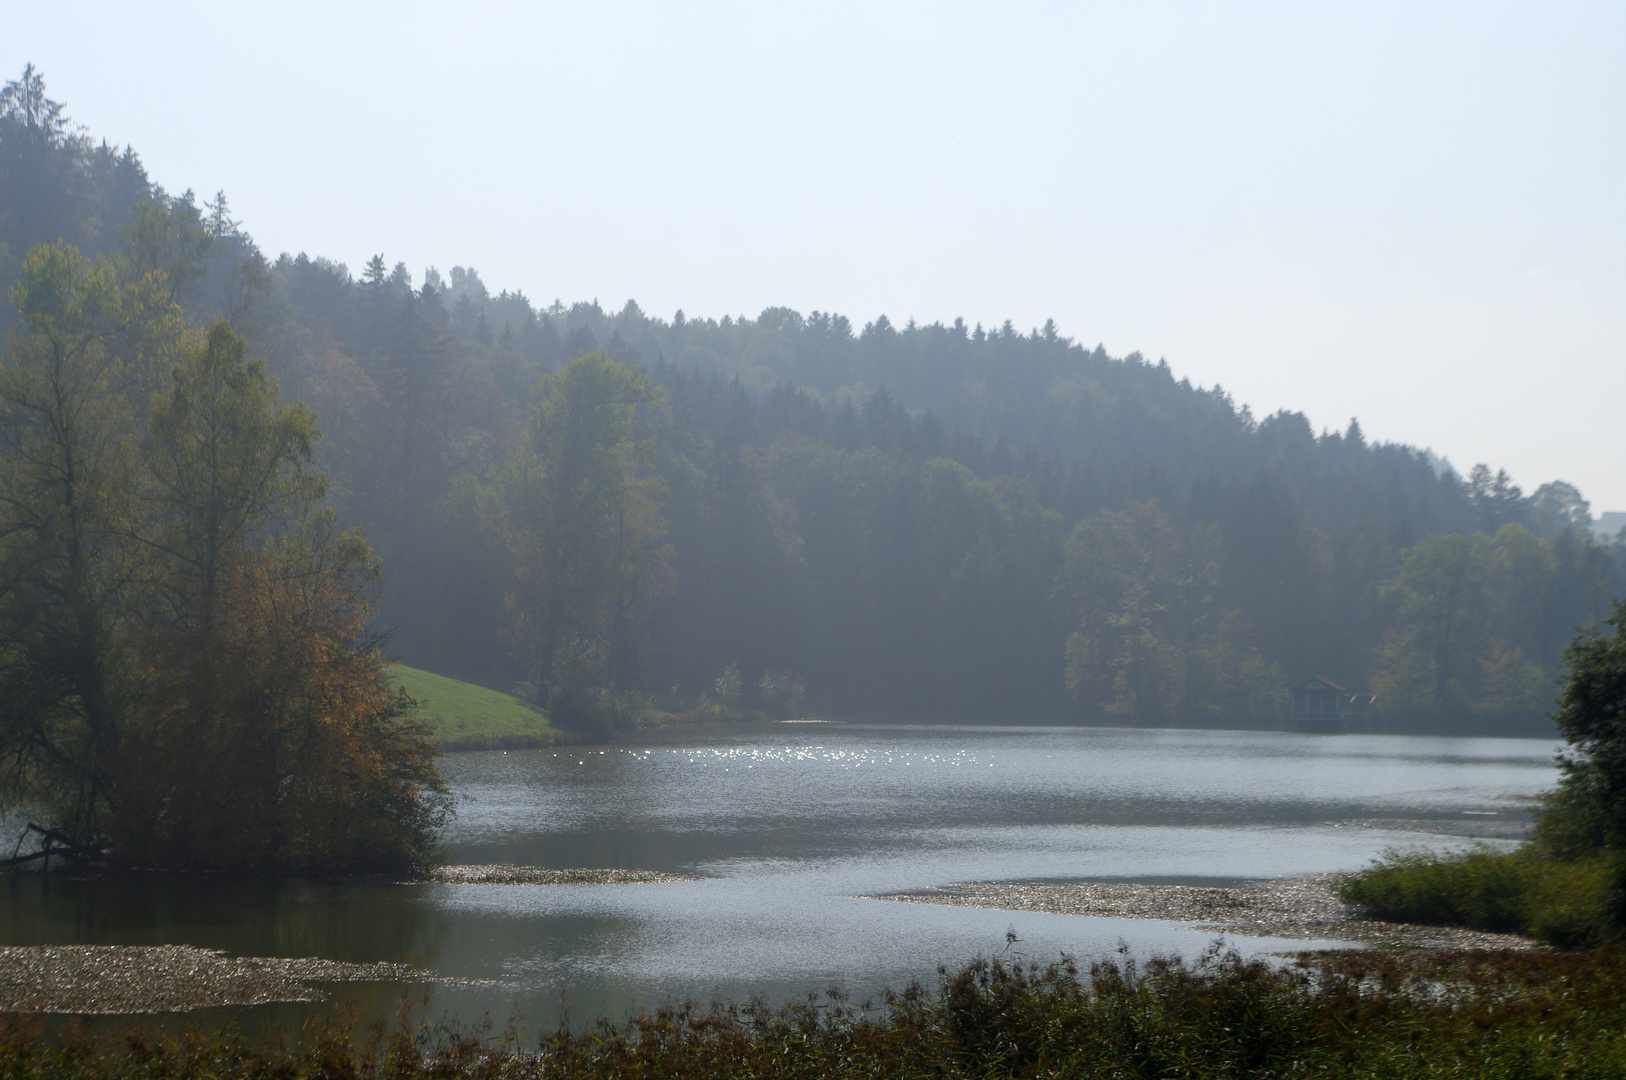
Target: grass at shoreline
1350,1014
1564,902
470,717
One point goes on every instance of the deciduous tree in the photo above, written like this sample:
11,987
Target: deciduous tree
582,518
186,679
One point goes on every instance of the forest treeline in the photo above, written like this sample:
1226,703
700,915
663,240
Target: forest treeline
609,508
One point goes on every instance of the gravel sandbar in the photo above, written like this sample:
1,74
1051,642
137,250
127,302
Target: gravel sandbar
539,875
1302,907
167,978
88,979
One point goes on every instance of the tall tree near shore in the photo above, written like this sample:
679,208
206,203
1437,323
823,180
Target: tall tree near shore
581,515
1425,658
185,677
268,739
1587,814
71,567
1153,639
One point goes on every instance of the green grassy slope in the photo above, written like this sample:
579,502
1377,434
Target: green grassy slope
469,717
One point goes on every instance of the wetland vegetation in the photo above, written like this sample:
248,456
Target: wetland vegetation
1349,1014
1567,886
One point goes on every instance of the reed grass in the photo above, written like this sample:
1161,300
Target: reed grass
1353,1014
1570,903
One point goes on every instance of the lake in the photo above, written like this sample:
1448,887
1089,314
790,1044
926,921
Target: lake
791,825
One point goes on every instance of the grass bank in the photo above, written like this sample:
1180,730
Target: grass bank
1564,902
1347,1015
470,717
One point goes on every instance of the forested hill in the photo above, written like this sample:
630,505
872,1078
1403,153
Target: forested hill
930,519
1113,428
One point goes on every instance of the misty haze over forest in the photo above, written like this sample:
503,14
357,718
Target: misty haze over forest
1175,638
926,519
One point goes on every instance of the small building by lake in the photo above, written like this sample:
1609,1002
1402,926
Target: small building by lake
1320,701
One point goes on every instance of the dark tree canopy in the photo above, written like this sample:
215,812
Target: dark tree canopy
187,677
934,519
1588,812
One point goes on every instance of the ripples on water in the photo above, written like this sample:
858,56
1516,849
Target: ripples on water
791,824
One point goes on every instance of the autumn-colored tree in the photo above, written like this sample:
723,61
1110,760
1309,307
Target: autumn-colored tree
184,669
278,745
284,748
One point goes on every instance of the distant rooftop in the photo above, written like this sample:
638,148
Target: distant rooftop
1609,525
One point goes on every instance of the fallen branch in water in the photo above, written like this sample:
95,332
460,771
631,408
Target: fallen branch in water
54,843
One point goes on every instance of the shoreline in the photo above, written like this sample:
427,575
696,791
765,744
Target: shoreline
1299,907
504,874
85,980
138,979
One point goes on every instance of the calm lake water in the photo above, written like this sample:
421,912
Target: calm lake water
791,824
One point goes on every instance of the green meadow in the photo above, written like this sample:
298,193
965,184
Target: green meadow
470,717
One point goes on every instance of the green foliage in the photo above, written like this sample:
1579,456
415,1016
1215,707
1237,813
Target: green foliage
1569,903
1486,890
71,566
1153,638
225,457
1422,662
1569,885
166,239
1352,1014
581,517
57,183
464,716
184,663
1590,812
1467,617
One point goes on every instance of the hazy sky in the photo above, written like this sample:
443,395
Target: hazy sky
1411,213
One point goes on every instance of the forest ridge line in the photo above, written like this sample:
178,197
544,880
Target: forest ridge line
927,518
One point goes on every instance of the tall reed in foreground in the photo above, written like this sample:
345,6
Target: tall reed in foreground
1353,1014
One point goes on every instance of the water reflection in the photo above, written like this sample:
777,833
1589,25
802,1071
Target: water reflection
792,826
353,922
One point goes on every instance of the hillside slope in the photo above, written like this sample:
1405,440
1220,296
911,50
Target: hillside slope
470,717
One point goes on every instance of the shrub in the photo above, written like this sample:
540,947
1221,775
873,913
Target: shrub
1573,903
1484,889
1568,886
1568,903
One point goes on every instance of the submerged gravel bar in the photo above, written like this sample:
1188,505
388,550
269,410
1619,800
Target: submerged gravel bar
167,978
1302,907
540,875
102,979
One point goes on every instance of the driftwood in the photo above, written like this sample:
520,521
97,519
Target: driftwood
52,843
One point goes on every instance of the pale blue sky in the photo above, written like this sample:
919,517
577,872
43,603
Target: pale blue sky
1412,213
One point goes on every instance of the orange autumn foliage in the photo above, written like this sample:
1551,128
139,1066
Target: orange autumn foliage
186,676
271,742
